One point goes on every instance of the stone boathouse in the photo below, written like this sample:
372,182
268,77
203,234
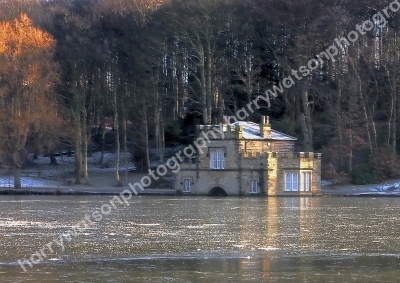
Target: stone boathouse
249,159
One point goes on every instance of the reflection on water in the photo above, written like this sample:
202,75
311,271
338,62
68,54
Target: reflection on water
170,239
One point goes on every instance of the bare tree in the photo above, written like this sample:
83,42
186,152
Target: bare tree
27,76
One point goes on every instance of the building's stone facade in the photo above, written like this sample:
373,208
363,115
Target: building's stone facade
253,160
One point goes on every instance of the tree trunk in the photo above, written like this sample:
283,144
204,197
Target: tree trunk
103,138
394,128
220,106
306,136
367,122
350,148
63,164
117,143
307,122
69,152
203,94
146,140
209,84
159,134
181,96
17,177
85,157
351,99
339,122
53,160
176,98
78,159
125,134
393,117
364,108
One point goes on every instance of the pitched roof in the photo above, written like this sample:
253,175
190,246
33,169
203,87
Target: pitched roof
252,131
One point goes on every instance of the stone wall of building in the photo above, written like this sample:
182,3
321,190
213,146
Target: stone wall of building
266,146
267,168
229,147
271,174
205,180
296,162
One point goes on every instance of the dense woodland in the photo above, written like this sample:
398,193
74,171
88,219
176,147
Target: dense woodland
152,69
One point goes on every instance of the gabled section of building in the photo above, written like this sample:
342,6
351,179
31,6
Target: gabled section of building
246,158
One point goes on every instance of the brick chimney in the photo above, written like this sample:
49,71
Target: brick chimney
239,131
265,127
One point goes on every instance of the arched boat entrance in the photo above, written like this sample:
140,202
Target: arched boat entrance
217,192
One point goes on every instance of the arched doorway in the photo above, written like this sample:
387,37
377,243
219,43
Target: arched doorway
217,192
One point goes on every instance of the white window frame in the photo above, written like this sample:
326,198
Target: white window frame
292,181
254,186
306,178
187,185
217,159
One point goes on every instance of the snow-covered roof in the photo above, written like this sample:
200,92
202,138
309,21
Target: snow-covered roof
252,131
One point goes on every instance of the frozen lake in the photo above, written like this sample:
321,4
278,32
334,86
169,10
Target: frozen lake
197,239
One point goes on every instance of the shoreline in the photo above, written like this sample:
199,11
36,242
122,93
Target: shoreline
43,179
79,191
102,184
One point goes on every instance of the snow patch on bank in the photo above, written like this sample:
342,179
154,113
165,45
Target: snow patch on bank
327,183
56,175
387,189
8,182
67,163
